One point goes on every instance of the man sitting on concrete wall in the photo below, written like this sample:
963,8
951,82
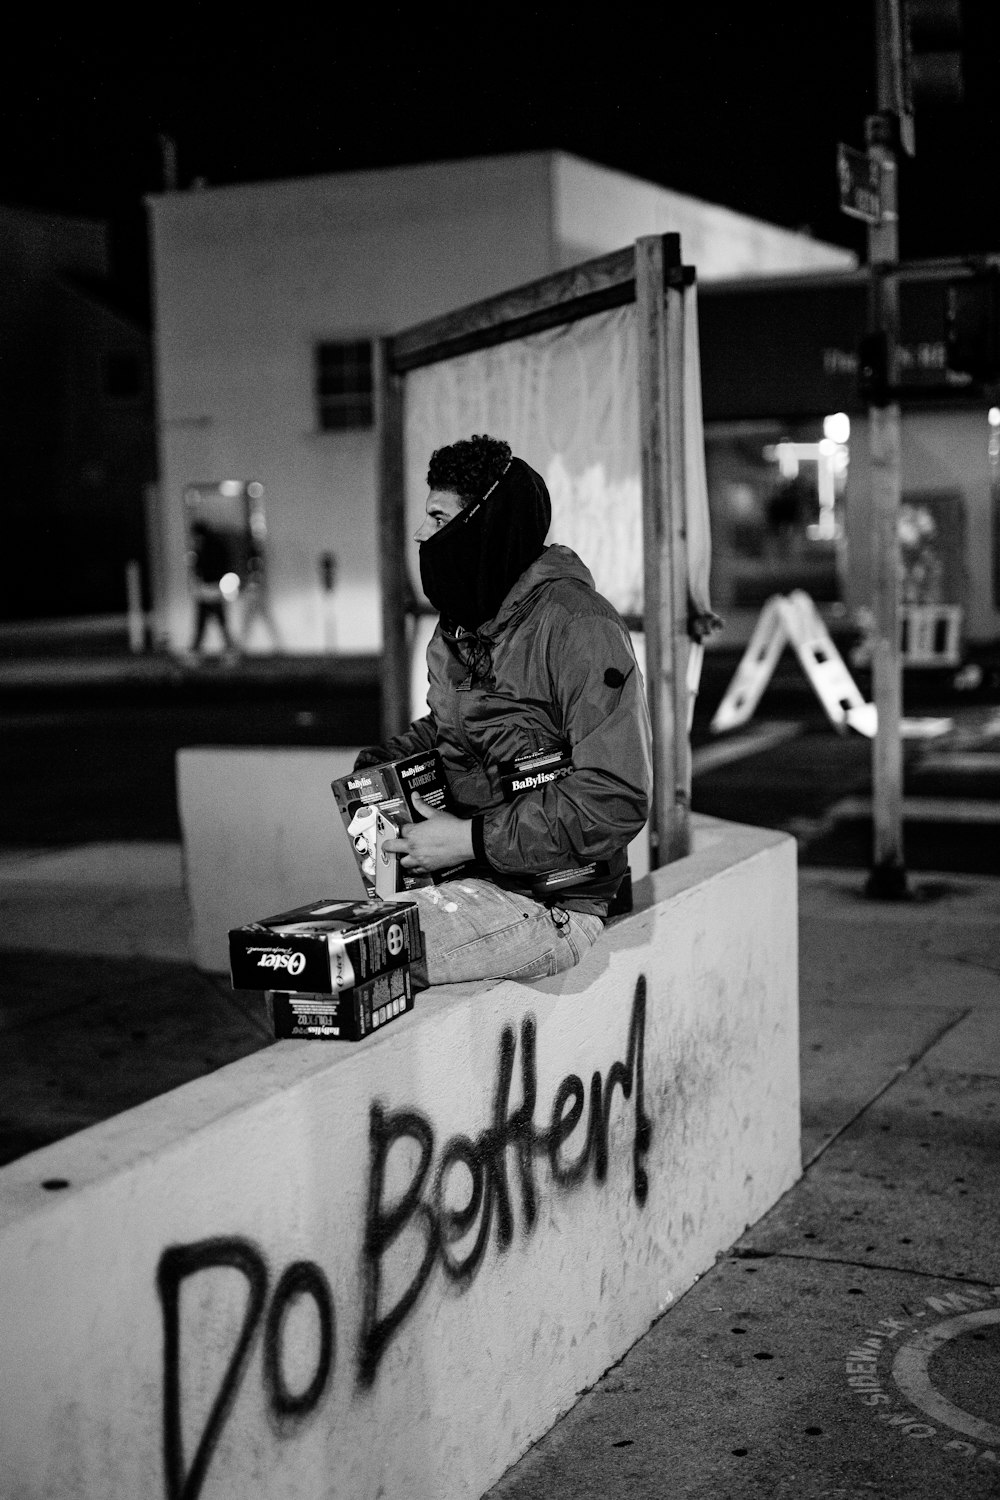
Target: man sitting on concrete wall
538,711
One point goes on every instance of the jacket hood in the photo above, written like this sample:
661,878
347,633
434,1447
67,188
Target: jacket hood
468,568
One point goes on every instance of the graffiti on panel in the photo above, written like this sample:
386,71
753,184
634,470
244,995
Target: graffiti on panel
454,1238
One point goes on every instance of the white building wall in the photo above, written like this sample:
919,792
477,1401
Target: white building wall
248,278
597,210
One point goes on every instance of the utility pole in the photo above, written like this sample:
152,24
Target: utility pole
888,873
917,52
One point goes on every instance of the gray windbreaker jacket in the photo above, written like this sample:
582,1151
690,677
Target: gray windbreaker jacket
553,670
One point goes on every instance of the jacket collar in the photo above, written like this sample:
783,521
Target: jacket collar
555,563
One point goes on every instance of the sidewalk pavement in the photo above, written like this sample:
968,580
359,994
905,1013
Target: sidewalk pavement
100,1006
848,1345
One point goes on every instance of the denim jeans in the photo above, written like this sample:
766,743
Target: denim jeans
475,930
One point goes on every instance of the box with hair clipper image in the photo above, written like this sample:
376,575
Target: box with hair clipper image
329,947
376,803
345,1017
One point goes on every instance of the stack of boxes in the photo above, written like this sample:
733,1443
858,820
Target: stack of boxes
334,969
341,969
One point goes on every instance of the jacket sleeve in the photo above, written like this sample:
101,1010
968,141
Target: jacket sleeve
604,802
421,735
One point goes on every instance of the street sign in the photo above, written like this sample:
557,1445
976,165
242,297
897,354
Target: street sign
860,185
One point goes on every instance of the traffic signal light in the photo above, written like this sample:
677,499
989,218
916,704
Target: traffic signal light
933,55
972,326
929,58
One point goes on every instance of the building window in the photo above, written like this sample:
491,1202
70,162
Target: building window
343,372
122,375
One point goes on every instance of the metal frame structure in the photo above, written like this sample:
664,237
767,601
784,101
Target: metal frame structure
651,275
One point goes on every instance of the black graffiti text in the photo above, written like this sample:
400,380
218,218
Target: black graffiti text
424,1204
287,1408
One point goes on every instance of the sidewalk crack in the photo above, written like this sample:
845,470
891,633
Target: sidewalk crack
749,1253
972,963
900,1070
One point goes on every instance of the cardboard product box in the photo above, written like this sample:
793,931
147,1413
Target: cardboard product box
345,1017
328,947
375,803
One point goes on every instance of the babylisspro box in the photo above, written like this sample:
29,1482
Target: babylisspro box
376,803
345,1017
328,947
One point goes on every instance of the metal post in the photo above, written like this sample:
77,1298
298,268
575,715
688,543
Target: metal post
660,326
135,618
993,458
888,872
392,543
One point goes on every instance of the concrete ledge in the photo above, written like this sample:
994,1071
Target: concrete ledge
385,1269
262,833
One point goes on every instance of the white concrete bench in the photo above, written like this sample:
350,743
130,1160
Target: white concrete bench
384,1269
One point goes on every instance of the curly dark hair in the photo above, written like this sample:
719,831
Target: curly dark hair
469,467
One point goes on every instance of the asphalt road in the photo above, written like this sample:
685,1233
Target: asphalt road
95,761
85,766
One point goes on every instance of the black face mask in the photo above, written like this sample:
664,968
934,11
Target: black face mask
469,567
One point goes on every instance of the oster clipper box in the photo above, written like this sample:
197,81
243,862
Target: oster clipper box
376,803
346,1017
328,947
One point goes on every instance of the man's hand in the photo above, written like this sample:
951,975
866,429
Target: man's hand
441,841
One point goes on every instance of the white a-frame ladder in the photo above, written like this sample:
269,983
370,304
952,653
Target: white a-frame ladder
795,619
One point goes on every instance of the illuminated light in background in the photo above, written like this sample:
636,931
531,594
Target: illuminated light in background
230,487
229,584
788,459
993,447
255,489
830,457
837,427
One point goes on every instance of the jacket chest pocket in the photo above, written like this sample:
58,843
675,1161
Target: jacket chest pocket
502,728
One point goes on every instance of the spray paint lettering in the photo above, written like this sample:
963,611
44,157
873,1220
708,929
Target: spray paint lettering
287,1408
485,1161
424,1205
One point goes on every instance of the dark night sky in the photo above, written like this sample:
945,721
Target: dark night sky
740,104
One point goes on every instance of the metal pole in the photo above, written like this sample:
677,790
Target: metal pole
134,615
392,543
888,873
660,328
